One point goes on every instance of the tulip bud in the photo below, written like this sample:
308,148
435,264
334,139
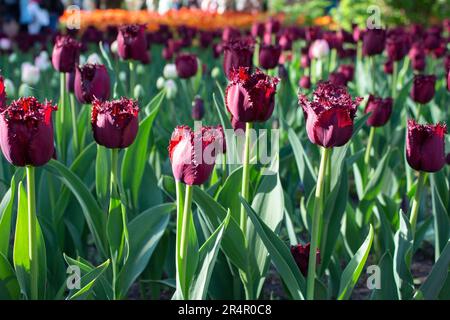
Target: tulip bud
257,30
397,46
425,146
138,91
305,61
186,65
193,154
305,82
373,41
319,49
215,72
269,56
115,123
337,78
300,253
30,74
348,71
237,53
132,43
423,90
42,61
160,83
251,97
198,109
380,109
65,54
114,47
388,67
170,71
329,116
91,81
26,132
171,89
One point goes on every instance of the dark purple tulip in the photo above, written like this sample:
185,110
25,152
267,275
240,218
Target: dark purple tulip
425,146
257,30
388,67
2,94
26,132
373,41
206,38
337,78
191,163
305,82
186,65
91,81
348,70
65,54
198,109
70,82
272,26
397,46
329,116
313,33
132,43
237,53
419,63
237,125
285,42
380,109
345,36
217,49
269,56
230,34
422,90
251,97
92,35
115,123
300,253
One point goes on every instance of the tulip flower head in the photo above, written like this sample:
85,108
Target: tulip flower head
329,116
30,74
198,109
132,43
186,65
251,97
380,109
300,253
193,154
423,90
305,82
115,123
425,146
66,53
319,49
337,78
2,93
348,70
26,132
269,56
91,81
373,41
237,53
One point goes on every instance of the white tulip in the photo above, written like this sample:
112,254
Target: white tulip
171,88
170,71
5,44
114,47
42,61
9,88
30,74
319,49
160,83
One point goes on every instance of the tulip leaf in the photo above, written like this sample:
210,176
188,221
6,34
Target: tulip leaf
9,287
102,173
354,268
387,288
137,155
441,216
88,281
373,188
280,255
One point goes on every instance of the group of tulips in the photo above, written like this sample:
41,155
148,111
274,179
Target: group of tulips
26,124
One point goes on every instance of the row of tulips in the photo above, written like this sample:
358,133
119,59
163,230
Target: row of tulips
106,207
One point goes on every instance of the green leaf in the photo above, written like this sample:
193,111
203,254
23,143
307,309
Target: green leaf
9,287
430,289
21,251
208,255
441,217
88,281
373,188
227,195
280,255
145,231
94,216
354,268
102,172
136,156
388,289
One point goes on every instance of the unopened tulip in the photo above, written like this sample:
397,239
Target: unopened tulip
329,116
30,74
65,54
26,132
305,82
251,96
115,123
198,109
186,65
132,43
319,49
397,46
300,253
337,78
423,90
348,70
373,41
269,56
237,53
91,81
425,146
380,109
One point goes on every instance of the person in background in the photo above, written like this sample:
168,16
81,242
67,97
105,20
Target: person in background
38,17
55,9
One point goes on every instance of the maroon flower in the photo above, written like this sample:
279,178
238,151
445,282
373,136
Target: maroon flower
65,54
285,41
251,97
237,53
132,43
419,63
300,253
447,158
373,41
380,109
2,93
230,33
388,67
329,116
206,38
305,82
91,81
236,124
272,26
115,123
269,56
198,108
257,30
186,65
337,78
193,154
348,70
397,46
26,132
422,90
305,61
425,146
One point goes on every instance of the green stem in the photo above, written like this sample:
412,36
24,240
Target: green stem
317,217
419,111
369,146
132,84
185,235
114,195
245,176
32,232
394,80
416,201
61,114
74,125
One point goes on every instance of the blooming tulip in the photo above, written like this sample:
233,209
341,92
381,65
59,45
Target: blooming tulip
305,82
319,49
423,90
380,109
65,54
269,56
237,53
198,108
186,65
91,81
348,70
132,43
373,41
300,253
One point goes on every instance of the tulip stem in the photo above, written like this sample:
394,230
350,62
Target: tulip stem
131,66
316,222
416,201
112,204
185,236
61,116
245,176
74,125
369,146
419,111
32,232
394,79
